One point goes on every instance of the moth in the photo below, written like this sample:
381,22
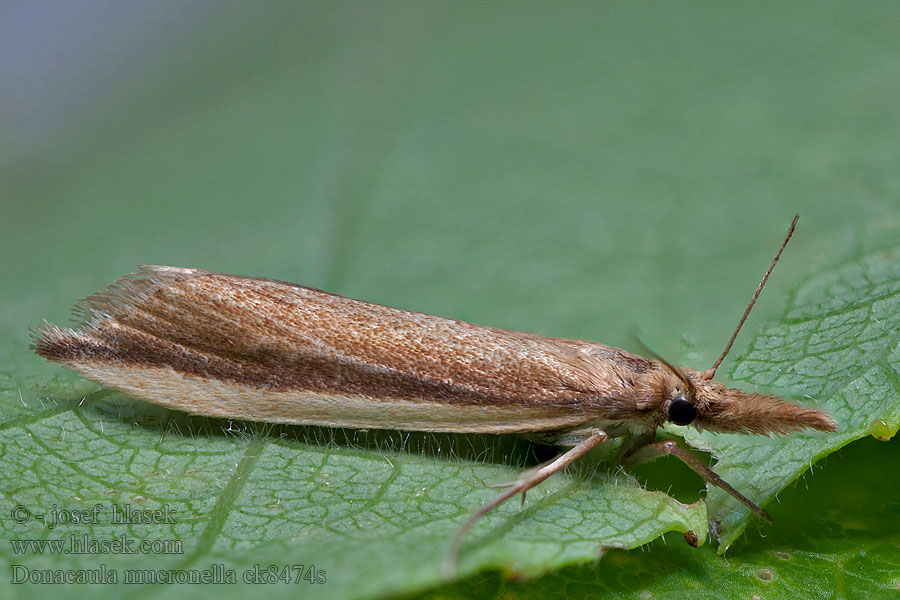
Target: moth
245,348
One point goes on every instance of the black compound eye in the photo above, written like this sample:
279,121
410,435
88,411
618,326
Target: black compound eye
682,412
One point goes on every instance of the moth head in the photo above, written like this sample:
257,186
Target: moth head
691,399
694,398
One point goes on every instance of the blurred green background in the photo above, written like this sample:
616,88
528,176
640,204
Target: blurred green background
572,169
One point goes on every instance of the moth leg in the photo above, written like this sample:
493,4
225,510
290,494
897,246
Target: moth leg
571,437
638,454
522,485
565,438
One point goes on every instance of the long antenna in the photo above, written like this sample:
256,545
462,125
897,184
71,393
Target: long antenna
712,372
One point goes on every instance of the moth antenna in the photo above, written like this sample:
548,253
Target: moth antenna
712,372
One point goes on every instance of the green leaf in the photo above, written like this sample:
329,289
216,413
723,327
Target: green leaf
242,495
245,496
837,349
836,535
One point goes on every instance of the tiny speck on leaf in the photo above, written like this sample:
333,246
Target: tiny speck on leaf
880,430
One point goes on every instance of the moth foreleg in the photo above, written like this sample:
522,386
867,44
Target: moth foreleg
522,485
640,454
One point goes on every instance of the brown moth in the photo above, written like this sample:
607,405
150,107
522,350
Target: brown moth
243,348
